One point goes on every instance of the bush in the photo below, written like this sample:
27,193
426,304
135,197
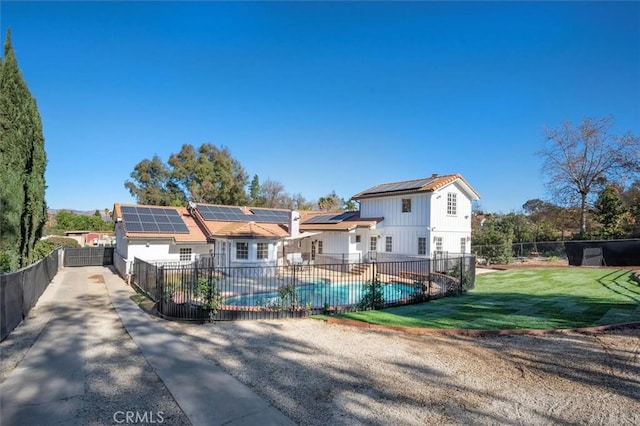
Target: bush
373,297
65,242
42,249
8,261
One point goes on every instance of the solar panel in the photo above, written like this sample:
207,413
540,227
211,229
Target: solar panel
153,220
236,214
330,218
398,186
221,213
343,216
270,216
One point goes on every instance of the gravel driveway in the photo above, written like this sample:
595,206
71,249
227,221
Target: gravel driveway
320,374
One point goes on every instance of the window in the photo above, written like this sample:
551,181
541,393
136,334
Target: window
185,254
452,207
388,244
463,245
242,250
438,243
263,251
406,205
373,245
357,238
422,246
319,247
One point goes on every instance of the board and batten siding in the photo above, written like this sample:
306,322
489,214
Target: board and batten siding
428,219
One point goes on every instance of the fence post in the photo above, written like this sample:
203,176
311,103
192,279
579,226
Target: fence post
461,274
373,287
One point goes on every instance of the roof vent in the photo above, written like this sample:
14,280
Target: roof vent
435,175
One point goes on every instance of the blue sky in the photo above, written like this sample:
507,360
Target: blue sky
322,96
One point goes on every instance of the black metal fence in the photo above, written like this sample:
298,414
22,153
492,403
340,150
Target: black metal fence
20,290
196,293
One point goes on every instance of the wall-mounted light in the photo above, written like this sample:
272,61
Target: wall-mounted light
147,244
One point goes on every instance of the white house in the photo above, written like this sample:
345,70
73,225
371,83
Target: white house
156,234
225,236
417,218
245,236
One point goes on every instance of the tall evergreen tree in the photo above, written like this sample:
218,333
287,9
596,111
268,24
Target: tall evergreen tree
22,165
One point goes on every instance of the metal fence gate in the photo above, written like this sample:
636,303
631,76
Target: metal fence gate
88,256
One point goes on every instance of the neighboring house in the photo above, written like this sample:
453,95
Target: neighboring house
422,217
91,238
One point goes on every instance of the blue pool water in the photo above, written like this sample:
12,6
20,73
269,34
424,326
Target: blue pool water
319,294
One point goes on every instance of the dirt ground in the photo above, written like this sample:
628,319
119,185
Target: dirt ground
321,374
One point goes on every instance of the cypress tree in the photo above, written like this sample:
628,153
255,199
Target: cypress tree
22,166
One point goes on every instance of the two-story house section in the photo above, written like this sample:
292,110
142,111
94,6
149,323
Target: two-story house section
421,217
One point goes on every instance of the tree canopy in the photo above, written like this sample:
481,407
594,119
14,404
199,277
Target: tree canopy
579,161
22,166
205,175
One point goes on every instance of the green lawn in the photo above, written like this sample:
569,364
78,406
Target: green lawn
526,298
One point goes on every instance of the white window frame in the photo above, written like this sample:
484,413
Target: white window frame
262,251
406,208
358,238
422,246
373,244
319,246
452,204
388,244
463,245
244,250
438,243
185,254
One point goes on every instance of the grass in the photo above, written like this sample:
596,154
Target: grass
526,298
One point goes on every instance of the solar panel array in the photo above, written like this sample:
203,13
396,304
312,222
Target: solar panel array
235,214
330,218
398,186
221,213
153,220
269,216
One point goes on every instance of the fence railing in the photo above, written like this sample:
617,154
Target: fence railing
205,293
20,290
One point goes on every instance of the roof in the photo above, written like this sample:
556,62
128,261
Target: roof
242,226
430,184
193,235
335,221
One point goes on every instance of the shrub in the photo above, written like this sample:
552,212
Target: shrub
42,249
372,296
65,242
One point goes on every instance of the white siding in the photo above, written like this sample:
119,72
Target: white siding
121,241
253,253
451,227
428,218
164,250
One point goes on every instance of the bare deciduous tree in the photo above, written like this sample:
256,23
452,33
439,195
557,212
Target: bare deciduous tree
579,160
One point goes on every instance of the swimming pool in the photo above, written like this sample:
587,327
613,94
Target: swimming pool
318,295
